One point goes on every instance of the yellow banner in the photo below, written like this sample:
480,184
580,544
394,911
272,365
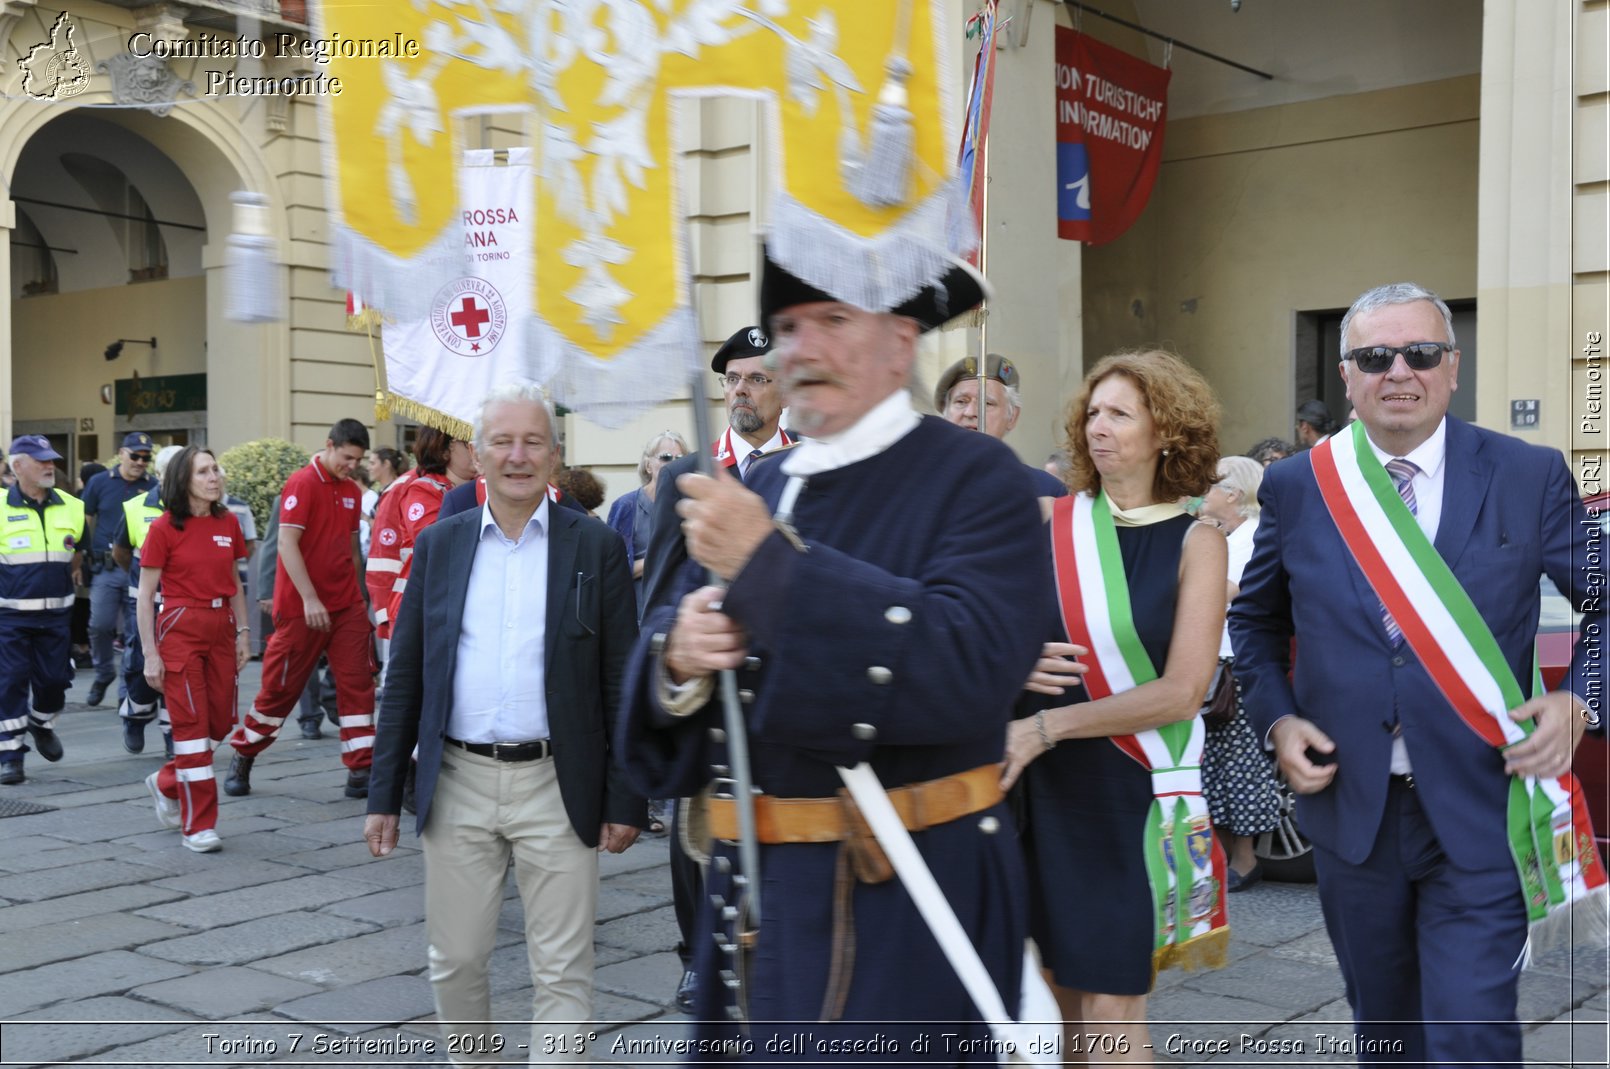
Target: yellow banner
859,99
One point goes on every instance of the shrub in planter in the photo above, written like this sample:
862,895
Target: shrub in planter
256,472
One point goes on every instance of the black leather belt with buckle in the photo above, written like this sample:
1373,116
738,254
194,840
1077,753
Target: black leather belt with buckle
535,750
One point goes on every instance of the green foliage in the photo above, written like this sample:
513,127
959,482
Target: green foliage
256,472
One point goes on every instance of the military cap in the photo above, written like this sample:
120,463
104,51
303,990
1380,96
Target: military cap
996,367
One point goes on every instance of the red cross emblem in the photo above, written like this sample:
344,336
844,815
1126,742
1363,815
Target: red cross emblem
468,317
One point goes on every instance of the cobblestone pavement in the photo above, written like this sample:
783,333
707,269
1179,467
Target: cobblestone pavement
120,947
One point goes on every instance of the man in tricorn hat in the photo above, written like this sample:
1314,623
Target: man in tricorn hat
956,399
856,638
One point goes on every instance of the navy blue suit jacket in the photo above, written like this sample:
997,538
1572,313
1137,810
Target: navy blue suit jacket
590,629
1510,514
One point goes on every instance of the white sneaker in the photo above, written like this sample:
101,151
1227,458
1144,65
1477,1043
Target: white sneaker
203,842
167,808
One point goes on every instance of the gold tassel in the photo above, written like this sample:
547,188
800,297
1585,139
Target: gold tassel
382,409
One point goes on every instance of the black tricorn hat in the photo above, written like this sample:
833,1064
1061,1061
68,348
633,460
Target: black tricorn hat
747,342
960,290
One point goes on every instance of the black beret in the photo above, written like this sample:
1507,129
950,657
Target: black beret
747,342
996,367
960,290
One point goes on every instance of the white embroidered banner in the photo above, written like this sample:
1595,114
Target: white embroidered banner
440,367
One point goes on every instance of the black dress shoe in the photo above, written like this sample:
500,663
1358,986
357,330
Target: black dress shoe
239,781
1240,882
133,735
686,990
46,744
310,729
11,774
357,783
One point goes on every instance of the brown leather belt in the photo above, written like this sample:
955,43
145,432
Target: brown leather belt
823,820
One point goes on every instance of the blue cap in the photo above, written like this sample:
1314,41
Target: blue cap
137,440
33,445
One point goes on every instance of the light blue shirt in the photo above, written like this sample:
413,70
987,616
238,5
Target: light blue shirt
500,686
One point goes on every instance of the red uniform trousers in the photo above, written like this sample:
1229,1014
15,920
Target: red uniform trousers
292,654
196,641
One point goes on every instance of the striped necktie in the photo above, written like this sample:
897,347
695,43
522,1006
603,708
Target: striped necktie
748,462
1403,473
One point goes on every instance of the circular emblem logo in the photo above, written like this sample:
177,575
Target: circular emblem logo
415,511
290,503
468,317
757,338
388,537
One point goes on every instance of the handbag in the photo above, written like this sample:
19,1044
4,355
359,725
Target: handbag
1221,705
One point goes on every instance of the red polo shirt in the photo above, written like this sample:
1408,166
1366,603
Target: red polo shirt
326,509
197,563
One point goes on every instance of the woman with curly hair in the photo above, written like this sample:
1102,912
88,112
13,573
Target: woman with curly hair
1125,876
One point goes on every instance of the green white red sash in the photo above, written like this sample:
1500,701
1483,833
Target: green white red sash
1184,862
1548,830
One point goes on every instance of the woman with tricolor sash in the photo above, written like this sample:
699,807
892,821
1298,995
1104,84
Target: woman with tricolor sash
1125,875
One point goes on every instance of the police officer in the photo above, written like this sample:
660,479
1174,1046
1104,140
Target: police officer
141,704
103,504
41,529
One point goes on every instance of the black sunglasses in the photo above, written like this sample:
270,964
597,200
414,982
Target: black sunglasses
140,456
1420,356
666,458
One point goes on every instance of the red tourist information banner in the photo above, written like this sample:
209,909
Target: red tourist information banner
1111,108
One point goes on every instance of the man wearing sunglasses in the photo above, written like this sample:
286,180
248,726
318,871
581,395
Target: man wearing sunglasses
104,495
1399,737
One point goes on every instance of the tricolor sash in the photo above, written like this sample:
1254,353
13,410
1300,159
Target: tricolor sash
1184,863
1549,834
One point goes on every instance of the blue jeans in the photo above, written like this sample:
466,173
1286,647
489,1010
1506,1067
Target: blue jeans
107,592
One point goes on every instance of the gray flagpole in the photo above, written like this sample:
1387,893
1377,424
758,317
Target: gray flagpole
747,879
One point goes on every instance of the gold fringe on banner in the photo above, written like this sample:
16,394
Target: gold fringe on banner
430,417
368,319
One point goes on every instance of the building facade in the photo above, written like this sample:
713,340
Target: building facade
1458,143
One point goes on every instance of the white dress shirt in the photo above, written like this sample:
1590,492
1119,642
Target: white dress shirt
500,685
1430,457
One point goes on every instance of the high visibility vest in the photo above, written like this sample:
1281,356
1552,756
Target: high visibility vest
36,552
139,513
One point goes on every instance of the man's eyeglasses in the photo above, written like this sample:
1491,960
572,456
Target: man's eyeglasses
755,380
1420,356
143,458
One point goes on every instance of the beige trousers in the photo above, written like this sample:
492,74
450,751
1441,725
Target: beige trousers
484,814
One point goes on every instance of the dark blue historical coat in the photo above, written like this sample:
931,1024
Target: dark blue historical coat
901,638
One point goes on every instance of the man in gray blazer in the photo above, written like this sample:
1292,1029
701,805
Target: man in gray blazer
530,617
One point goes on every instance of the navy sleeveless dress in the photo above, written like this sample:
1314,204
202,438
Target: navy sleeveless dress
1085,803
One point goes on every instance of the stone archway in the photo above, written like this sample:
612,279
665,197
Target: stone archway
206,146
